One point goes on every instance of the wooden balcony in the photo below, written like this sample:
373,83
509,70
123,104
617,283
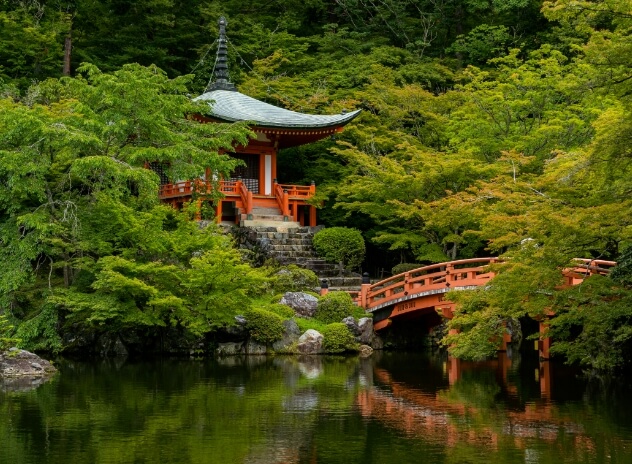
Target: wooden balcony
286,197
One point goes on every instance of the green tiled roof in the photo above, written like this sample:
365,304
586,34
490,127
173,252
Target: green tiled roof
232,106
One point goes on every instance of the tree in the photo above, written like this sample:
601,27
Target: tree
80,214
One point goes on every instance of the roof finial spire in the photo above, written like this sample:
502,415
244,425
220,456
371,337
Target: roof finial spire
222,81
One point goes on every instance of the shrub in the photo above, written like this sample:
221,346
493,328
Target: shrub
334,307
294,279
340,245
6,340
337,338
404,267
264,327
284,311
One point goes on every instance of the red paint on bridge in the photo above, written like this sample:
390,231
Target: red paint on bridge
421,291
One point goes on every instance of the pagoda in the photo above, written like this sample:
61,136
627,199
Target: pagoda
252,196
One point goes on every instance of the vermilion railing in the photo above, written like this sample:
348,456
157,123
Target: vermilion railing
282,199
461,273
246,197
301,191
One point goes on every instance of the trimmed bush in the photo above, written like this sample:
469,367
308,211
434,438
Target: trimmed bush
334,307
338,339
294,279
340,245
404,267
264,327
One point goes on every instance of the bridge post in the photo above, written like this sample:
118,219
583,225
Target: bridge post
544,344
454,370
324,287
364,290
449,269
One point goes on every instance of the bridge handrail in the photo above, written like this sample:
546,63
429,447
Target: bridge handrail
424,279
399,277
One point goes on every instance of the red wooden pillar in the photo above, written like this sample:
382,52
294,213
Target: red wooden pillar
454,370
312,216
544,344
218,212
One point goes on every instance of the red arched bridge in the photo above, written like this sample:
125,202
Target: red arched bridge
420,292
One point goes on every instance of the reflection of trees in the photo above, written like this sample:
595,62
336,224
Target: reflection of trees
175,411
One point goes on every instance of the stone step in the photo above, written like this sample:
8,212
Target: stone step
283,242
275,226
351,281
303,255
276,247
263,217
263,210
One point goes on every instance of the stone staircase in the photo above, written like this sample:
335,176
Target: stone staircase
292,244
266,217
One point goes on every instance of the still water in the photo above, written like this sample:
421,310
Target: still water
389,408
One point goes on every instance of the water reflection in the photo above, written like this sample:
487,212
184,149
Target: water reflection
387,408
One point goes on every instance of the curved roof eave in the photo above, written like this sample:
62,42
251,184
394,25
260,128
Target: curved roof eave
232,106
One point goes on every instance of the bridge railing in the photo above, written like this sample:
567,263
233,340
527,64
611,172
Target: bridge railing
583,268
461,273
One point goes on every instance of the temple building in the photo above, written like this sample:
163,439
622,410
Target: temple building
252,196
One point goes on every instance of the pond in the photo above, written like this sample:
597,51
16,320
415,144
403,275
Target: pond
390,407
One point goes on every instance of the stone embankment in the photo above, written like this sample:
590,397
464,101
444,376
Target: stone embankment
311,341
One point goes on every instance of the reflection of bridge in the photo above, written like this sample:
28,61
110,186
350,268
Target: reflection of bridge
450,420
421,292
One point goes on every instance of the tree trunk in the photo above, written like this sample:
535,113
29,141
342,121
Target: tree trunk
67,53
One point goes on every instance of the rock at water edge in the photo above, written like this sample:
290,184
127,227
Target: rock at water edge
311,342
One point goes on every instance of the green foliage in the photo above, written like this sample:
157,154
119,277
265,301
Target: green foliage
482,43
334,307
340,245
281,310
338,339
41,332
404,267
264,326
622,273
293,279
7,340
592,325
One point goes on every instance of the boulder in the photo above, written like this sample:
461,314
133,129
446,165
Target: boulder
254,348
311,342
365,351
350,322
291,335
365,331
21,363
229,349
303,304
